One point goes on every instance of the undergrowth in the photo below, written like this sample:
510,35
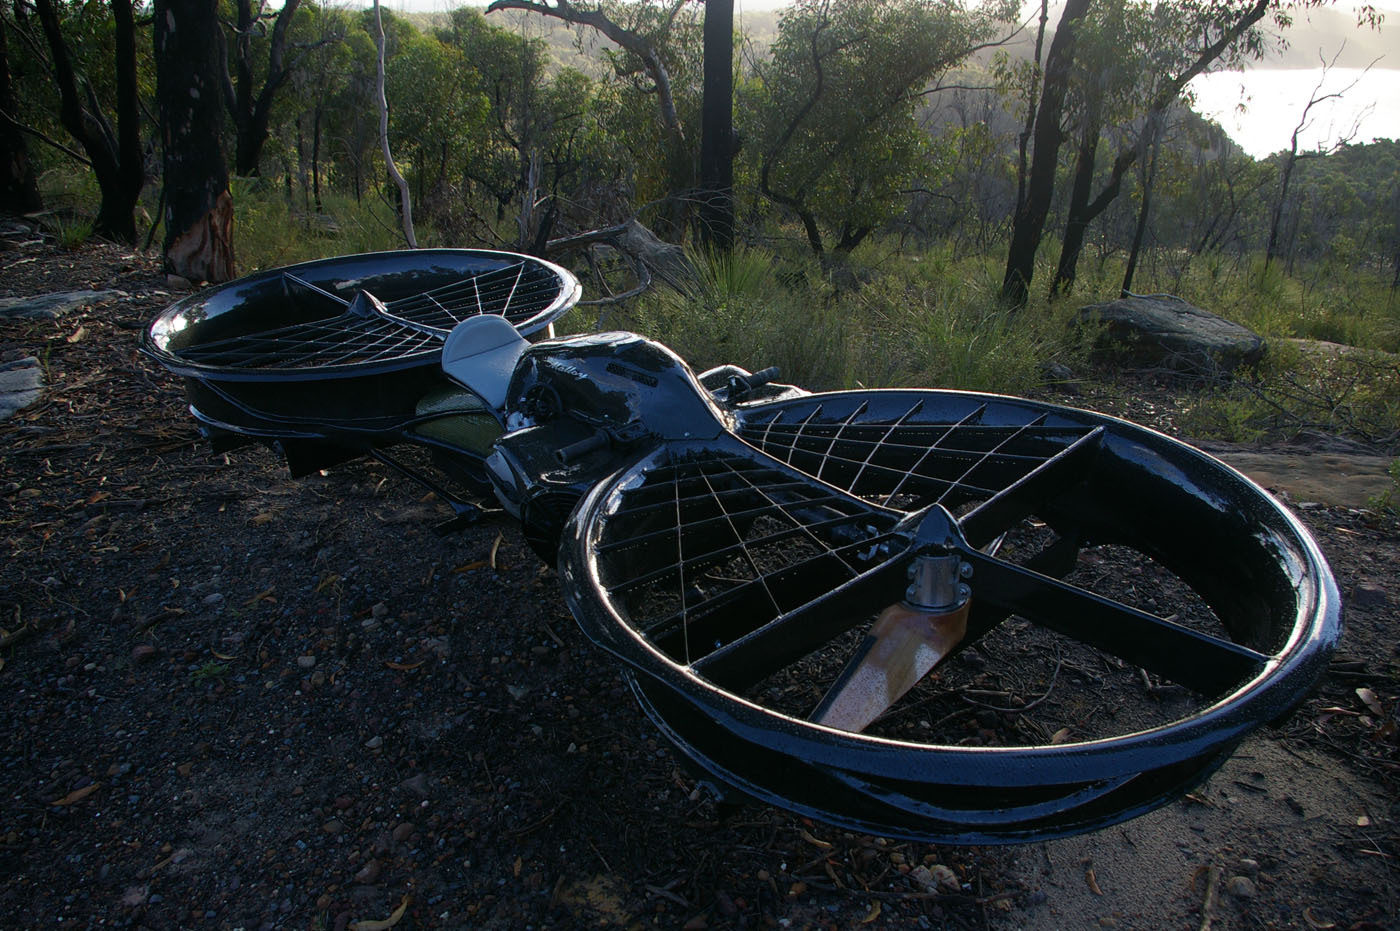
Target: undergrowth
930,320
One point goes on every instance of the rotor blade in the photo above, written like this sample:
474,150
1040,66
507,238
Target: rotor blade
902,647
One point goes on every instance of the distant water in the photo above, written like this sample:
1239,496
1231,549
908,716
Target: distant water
1274,100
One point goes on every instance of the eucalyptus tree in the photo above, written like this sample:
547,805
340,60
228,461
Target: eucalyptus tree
1193,36
198,211
829,119
19,190
655,53
265,52
438,111
114,152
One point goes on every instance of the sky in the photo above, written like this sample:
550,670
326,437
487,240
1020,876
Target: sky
1260,107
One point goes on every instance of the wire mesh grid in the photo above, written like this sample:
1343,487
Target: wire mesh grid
403,328
709,540
910,454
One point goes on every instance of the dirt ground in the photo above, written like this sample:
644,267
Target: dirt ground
234,700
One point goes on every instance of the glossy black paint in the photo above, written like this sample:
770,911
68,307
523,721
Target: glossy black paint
1210,525
872,478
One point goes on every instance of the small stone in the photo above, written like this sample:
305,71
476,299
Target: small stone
134,896
142,652
403,832
1241,887
306,662
369,873
380,611
214,598
517,692
374,743
333,826
1108,922
418,785
343,802
698,923
323,902
1367,595
923,879
1249,867
945,878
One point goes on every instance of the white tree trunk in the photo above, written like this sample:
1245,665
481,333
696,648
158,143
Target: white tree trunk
405,201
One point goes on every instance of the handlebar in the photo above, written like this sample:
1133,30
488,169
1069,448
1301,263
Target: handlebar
567,455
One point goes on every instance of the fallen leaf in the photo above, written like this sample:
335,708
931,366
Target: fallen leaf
519,865
257,520
222,656
386,923
1363,821
260,596
97,496
402,667
814,841
1061,736
1369,699
1093,882
330,579
872,914
494,547
77,334
471,566
77,795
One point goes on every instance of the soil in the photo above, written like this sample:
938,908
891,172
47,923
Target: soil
234,700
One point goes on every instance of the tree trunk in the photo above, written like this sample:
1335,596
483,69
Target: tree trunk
198,207
251,108
717,129
1077,221
1024,140
316,157
1271,251
405,201
1029,221
1149,178
19,191
115,155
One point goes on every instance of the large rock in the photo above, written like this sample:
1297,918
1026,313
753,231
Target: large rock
51,306
1164,331
21,383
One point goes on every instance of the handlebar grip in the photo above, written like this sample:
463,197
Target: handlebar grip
762,377
566,455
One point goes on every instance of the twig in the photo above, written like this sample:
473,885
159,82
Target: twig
1208,904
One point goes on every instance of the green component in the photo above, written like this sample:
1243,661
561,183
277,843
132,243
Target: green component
463,420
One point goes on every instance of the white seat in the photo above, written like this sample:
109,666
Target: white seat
480,355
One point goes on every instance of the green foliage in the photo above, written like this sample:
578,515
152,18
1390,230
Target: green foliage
209,672
748,309
1297,389
832,115
1389,499
70,231
930,320
269,233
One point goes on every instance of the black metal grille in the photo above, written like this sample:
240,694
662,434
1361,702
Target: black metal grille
905,455
709,540
398,329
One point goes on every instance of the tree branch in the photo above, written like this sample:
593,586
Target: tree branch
632,41
37,134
